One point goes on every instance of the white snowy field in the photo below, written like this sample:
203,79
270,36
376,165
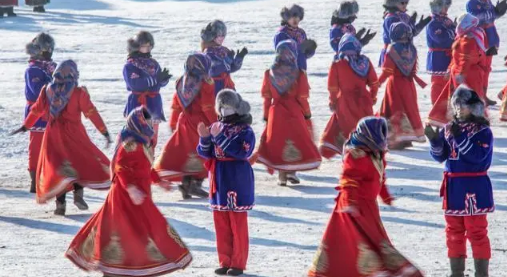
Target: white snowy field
287,224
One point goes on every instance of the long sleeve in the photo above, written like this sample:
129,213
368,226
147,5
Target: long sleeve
308,54
280,36
373,82
387,70
237,63
439,148
333,84
266,95
90,111
35,79
304,93
468,54
175,113
239,146
208,102
204,149
38,109
477,148
136,80
354,172
485,16
437,34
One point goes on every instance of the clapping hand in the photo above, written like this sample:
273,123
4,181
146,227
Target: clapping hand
216,129
163,75
367,37
241,54
430,133
202,130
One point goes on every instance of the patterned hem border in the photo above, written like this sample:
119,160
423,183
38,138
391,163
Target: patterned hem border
331,146
467,212
58,189
292,167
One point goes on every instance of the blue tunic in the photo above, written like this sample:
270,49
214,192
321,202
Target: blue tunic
35,79
440,35
389,20
298,35
233,173
471,152
485,11
221,63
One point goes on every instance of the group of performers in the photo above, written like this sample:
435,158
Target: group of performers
212,138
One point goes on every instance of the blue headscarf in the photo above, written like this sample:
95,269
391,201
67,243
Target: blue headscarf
65,79
284,72
349,49
138,127
402,51
370,133
197,68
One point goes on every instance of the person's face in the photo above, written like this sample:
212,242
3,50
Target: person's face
444,10
294,21
402,6
145,48
462,112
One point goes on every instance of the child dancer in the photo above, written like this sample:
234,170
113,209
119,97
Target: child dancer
129,236
38,74
144,79
68,157
287,144
227,145
468,66
400,100
349,98
195,98
223,61
355,242
466,147
440,35
291,17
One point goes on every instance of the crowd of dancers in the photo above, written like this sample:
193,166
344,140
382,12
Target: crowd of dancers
212,138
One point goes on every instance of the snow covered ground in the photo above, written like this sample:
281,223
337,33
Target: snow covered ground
287,223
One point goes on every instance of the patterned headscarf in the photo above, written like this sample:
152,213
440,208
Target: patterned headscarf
197,68
468,26
350,50
337,32
370,133
284,72
138,127
65,79
402,51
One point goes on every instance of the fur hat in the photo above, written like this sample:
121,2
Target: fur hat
464,96
213,30
293,11
392,3
438,5
229,102
141,38
346,10
41,43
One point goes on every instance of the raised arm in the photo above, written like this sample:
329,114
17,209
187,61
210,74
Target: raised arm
239,146
439,148
135,81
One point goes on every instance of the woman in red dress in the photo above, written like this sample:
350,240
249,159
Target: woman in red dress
129,236
68,158
287,142
349,98
195,97
355,243
399,106
468,66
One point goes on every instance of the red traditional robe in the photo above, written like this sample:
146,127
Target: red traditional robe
503,109
351,101
358,246
468,61
68,156
124,239
287,142
179,157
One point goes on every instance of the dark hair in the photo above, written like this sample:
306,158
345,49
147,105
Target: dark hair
476,119
339,21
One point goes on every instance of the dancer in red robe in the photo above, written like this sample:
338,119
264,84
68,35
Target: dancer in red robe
287,144
349,98
129,236
503,96
468,66
355,243
195,97
400,100
68,158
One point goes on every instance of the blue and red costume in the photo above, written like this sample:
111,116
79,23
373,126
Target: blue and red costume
298,35
466,189
390,19
222,65
336,33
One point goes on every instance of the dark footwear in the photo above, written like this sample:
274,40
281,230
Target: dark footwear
282,179
490,102
60,208
79,201
234,272
10,12
2,11
42,9
196,188
184,188
292,178
481,268
221,271
33,188
457,267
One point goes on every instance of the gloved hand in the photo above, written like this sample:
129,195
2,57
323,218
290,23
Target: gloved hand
501,8
430,133
492,51
455,129
22,129
308,46
241,54
367,37
308,116
163,75
108,139
360,33
413,18
422,23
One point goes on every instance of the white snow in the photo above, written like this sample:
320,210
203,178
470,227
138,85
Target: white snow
287,223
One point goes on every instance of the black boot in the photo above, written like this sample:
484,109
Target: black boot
293,178
184,188
221,271
2,11
196,188
490,102
78,198
234,272
457,267
282,179
60,205
481,268
10,12
33,188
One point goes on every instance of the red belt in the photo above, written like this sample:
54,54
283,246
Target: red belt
211,166
448,52
28,102
447,175
141,96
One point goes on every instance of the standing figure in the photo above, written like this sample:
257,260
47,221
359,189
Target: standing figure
227,146
468,66
355,243
68,159
38,5
396,11
341,24
287,142
38,74
466,147
144,79
440,35
349,98
487,13
7,7
503,96
129,236
195,98
400,100
291,17
223,60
